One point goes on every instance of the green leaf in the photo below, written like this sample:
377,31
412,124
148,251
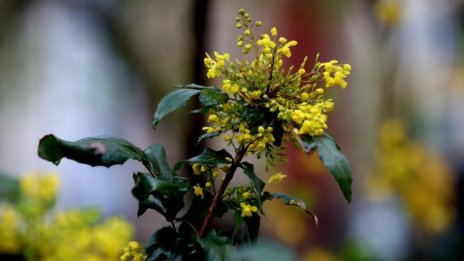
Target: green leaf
207,136
163,245
211,97
252,227
157,161
238,219
256,182
94,151
208,157
193,86
171,102
291,201
333,159
9,188
253,115
164,196
217,247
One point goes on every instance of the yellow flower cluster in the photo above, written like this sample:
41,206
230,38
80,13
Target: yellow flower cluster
215,66
335,74
247,210
29,228
265,97
420,178
40,186
210,173
10,226
134,251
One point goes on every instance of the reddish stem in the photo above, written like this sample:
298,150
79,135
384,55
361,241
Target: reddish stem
238,158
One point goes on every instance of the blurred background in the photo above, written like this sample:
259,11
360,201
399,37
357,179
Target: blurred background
78,68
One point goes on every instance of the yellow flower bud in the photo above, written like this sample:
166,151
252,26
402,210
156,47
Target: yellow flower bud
304,96
274,31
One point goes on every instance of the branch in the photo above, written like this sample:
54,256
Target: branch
238,158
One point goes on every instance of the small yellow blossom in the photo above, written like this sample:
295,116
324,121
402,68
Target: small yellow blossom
212,117
196,169
278,177
247,210
198,191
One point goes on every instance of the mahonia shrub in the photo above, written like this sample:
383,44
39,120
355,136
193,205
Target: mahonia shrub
31,230
260,106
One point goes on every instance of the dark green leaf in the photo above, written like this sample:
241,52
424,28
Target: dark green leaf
164,196
94,151
238,219
171,102
252,227
157,161
163,245
9,188
207,157
211,157
211,97
278,133
208,136
253,115
292,201
216,246
256,182
333,159
193,86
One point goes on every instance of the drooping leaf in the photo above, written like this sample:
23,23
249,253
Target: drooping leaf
94,151
9,188
208,157
163,245
333,159
164,196
171,102
256,182
157,161
211,97
291,201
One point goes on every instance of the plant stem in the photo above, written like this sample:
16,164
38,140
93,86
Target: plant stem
238,158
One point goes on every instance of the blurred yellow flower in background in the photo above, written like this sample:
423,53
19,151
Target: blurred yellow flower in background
30,229
418,176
